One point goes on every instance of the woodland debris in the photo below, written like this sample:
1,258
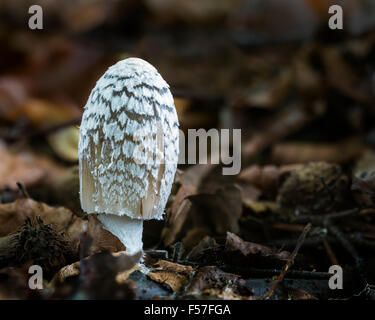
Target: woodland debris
214,282
13,216
171,274
317,187
289,263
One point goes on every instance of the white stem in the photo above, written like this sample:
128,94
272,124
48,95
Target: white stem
128,230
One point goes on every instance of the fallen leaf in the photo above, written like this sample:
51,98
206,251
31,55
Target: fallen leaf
207,243
73,269
212,281
98,276
219,212
194,235
260,206
13,215
267,178
181,206
24,167
172,274
234,243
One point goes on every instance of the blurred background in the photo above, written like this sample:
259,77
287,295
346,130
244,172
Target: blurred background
299,91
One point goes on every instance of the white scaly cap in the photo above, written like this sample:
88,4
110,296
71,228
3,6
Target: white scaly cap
128,149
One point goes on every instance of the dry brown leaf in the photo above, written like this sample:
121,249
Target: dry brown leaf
213,214
25,167
266,178
235,243
13,215
260,206
212,281
70,270
173,274
194,235
180,209
189,180
207,243
73,270
222,210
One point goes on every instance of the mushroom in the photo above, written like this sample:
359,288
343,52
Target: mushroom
128,149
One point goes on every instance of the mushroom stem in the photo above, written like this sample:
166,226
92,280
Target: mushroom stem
127,230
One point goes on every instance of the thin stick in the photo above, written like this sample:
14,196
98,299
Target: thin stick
331,255
289,262
23,190
360,264
321,219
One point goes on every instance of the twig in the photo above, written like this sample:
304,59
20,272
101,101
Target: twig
177,250
322,219
312,241
269,273
359,262
289,262
359,240
23,190
326,221
331,255
289,227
